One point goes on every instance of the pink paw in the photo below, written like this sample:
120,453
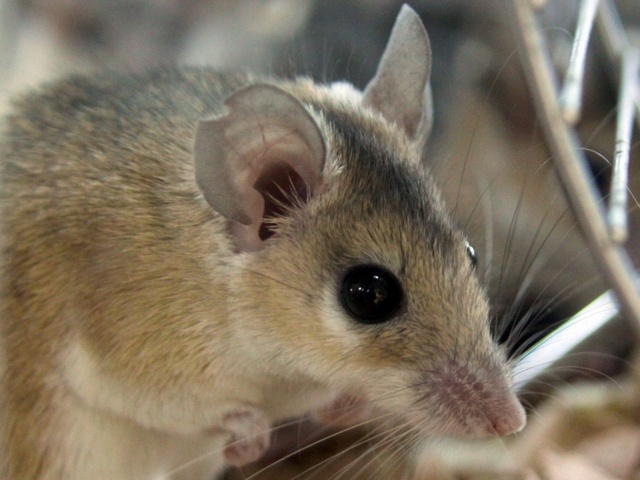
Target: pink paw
250,436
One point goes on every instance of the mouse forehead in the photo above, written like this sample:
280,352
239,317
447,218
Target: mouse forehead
384,207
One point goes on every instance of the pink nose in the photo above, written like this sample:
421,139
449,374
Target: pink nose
482,402
510,419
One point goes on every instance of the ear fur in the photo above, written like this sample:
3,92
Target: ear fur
400,89
266,139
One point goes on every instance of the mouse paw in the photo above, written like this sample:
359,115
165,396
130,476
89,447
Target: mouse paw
250,436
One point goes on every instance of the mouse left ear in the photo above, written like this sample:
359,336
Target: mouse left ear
265,155
400,90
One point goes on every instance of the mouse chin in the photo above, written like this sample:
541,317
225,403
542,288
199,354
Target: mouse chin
457,401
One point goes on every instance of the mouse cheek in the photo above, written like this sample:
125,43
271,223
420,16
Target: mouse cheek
345,410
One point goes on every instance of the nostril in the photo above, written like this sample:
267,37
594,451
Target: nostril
500,428
509,422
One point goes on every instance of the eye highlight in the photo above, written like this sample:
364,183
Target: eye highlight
370,294
471,252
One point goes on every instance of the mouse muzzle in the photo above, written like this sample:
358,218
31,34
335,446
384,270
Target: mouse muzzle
471,401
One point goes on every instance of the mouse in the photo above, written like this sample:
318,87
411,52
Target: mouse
190,257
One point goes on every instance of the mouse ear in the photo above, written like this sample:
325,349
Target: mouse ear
400,90
264,156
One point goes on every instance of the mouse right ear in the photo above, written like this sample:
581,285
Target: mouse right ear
265,155
400,90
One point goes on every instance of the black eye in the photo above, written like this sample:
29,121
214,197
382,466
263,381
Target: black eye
472,254
370,294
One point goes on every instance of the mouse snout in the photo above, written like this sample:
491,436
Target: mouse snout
509,418
474,402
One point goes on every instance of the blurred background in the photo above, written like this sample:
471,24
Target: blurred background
487,150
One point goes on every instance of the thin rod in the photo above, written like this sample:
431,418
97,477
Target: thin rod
570,163
627,96
571,96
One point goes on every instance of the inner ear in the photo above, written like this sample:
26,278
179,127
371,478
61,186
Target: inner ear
257,159
282,189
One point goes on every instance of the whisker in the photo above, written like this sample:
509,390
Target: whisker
515,310
538,310
389,437
475,127
510,238
277,280
207,455
318,442
556,331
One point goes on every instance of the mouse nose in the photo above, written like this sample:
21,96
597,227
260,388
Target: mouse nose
481,402
510,419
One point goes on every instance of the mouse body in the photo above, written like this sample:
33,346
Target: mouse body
189,257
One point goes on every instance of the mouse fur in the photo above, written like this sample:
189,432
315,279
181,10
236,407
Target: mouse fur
141,329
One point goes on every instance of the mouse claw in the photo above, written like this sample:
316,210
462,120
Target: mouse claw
250,436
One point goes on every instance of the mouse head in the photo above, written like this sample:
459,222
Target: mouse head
352,274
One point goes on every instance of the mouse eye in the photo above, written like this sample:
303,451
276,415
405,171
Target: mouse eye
370,294
471,252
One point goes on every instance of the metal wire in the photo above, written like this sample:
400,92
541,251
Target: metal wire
571,95
569,160
618,198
